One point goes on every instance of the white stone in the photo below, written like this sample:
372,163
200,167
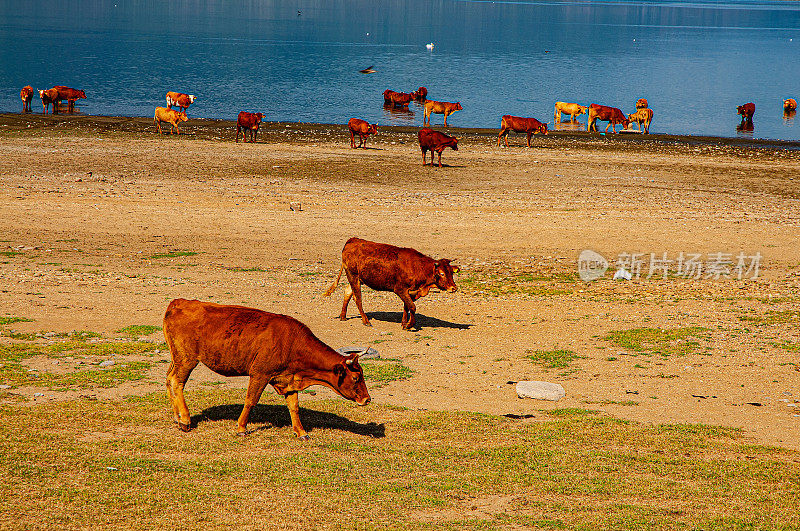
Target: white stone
540,390
107,363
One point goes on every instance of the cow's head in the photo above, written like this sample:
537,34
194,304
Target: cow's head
542,129
458,106
373,129
790,104
41,94
454,143
443,274
259,116
582,109
641,103
625,122
182,117
192,97
350,383
740,110
81,94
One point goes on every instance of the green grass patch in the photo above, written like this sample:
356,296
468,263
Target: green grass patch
247,269
105,464
7,320
507,282
173,254
385,371
552,359
138,330
772,317
9,254
659,341
786,345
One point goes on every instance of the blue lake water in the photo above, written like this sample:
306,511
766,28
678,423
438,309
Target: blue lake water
299,60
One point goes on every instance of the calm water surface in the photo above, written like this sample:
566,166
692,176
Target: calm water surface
299,60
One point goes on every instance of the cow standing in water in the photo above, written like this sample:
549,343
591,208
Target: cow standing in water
612,115
71,95
26,95
271,349
404,271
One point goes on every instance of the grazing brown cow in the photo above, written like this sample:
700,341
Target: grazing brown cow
48,97
421,94
26,94
612,115
71,95
440,107
641,103
363,129
790,105
180,99
520,125
248,121
168,115
270,348
747,111
404,271
435,142
642,118
573,109
397,99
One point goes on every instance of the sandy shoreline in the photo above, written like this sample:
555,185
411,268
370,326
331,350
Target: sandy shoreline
80,252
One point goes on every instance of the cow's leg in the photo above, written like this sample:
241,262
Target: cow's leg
348,294
409,309
440,158
500,136
158,125
356,285
445,119
254,390
529,139
352,139
238,129
254,135
423,156
293,403
177,375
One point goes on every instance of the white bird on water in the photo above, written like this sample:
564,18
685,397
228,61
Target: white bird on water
429,46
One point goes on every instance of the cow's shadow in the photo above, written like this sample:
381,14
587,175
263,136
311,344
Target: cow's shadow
265,416
422,321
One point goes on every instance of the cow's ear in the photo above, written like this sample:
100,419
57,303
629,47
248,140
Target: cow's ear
339,369
455,268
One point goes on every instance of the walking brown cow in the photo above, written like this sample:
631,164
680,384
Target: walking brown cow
26,95
271,349
612,115
171,116
440,107
404,271
520,125
363,129
248,121
435,142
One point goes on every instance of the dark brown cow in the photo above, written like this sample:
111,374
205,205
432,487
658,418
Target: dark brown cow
270,348
397,99
363,129
747,111
435,142
71,95
26,95
520,125
248,121
49,96
612,115
421,94
406,272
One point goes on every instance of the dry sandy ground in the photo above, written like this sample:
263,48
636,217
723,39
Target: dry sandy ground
87,202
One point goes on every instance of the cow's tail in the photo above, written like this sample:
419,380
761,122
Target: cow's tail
336,283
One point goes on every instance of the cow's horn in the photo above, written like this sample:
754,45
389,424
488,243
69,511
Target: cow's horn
355,357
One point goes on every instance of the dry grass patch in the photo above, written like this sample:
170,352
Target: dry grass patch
95,464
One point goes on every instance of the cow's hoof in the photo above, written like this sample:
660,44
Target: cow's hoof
184,427
242,433
304,438
367,324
